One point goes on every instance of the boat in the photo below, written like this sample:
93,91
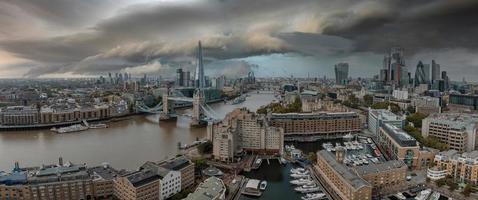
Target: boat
258,161
97,126
239,99
263,185
423,195
308,188
377,152
302,181
313,196
400,196
70,129
283,161
297,170
299,175
348,136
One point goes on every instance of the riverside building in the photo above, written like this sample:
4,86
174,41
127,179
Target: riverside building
243,130
378,117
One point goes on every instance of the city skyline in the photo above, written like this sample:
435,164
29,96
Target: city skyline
85,38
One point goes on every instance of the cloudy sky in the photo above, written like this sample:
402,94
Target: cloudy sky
74,38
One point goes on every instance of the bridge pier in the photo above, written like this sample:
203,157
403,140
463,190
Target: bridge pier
168,113
197,115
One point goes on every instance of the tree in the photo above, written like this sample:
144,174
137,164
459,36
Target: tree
416,119
200,164
312,157
467,190
411,109
205,148
367,100
384,105
441,182
452,186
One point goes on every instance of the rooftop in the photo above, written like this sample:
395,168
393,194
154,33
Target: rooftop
210,189
176,164
374,168
400,136
351,177
454,120
385,114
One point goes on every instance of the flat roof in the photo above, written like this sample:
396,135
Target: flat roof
399,136
380,167
351,177
210,189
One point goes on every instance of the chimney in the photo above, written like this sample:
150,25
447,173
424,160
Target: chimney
340,154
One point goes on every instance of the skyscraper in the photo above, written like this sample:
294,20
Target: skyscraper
199,78
435,71
341,73
179,77
420,74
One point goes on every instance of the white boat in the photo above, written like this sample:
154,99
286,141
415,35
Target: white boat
302,181
97,126
299,175
283,161
423,195
263,185
70,129
307,188
296,170
258,161
400,196
313,196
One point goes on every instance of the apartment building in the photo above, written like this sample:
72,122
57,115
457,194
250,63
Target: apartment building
19,115
184,166
457,130
461,166
212,188
243,130
384,177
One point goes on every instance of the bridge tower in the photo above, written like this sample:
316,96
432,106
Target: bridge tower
198,100
168,109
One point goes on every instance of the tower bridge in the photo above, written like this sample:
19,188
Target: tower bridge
201,112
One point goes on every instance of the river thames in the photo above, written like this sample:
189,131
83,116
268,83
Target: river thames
125,144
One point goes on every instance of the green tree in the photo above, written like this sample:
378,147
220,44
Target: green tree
384,105
467,190
312,157
416,119
205,148
367,100
200,164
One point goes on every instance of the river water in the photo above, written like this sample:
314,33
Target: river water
125,144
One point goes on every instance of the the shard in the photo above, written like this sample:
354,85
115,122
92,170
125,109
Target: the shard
199,79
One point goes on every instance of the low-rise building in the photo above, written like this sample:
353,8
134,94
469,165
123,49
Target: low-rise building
461,166
426,105
211,189
342,181
19,115
322,124
401,146
184,166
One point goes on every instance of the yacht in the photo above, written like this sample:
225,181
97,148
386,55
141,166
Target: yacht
307,188
297,170
70,129
263,185
303,175
302,181
97,126
313,196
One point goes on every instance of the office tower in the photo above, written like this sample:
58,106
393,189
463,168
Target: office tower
435,71
386,68
179,77
341,73
125,76
420,74
187,79
383,75
111,78
446,80
199,78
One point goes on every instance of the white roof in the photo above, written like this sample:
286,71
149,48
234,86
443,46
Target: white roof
253,183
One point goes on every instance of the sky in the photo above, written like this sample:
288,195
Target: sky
72,38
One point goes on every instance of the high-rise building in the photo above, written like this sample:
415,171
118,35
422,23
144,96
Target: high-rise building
462,167
187,79
179,77
435,71
421,74
446,80
199,79
341,73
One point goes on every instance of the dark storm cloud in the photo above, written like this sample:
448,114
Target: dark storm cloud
414,25
119,35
